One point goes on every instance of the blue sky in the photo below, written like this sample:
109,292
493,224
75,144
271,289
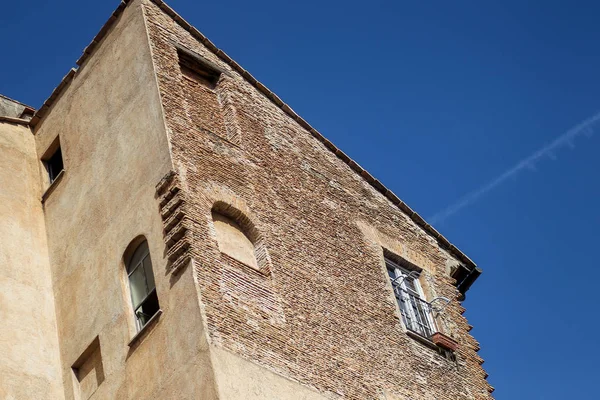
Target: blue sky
436,99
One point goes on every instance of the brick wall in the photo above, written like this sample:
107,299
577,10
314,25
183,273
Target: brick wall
323,313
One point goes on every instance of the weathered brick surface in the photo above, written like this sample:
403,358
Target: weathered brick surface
210,117
323,313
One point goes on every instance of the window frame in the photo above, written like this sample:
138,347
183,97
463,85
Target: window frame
52,151
50,164
413,314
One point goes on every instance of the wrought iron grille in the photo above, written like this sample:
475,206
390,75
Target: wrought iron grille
416,312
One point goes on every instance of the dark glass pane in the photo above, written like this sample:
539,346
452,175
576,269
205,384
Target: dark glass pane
137,284
55,165
410,284
149,275
148,308
391,273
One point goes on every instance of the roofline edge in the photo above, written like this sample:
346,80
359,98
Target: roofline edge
376,184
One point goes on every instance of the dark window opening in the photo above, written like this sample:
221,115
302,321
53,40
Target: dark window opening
147,308
54,165
447,354
198,72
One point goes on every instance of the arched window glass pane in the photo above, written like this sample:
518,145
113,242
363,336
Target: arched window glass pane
137,256
149,274
137,283
142,285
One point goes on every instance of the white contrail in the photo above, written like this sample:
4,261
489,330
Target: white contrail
566,139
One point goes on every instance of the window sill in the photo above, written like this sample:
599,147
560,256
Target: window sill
447,354
421,339
145,329
53,185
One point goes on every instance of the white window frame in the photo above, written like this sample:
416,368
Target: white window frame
415,318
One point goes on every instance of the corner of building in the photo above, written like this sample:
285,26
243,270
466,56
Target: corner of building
30,361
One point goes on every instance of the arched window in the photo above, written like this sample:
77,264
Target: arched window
141,284
233,241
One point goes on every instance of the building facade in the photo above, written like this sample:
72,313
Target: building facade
170,229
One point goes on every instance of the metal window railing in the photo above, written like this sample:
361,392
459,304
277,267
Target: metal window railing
417,314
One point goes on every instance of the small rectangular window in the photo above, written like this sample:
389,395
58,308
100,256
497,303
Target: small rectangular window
197,72
53,161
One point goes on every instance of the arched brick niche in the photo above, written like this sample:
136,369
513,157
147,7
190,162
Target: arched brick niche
238,238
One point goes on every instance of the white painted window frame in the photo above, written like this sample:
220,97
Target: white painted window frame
402,274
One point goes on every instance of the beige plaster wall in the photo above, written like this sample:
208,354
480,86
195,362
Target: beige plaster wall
115,151
240,379
29,357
